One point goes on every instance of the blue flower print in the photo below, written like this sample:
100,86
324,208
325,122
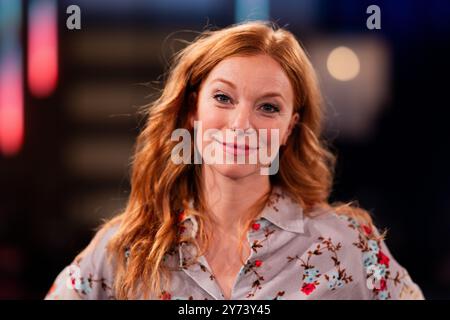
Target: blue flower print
383,295
378,271
311,275
85,286
369,258
373,246
334,281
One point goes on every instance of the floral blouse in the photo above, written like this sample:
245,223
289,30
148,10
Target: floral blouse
293,256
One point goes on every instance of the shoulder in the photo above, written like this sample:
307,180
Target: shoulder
348,236
91,273
361,246
341,227
96,253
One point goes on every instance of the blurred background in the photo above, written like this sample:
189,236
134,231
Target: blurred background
68,117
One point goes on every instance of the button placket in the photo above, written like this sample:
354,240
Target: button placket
199,271
255,235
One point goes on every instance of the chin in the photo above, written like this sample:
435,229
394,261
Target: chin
236,171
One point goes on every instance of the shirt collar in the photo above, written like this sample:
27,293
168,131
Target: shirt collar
281,210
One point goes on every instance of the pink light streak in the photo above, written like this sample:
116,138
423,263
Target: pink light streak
11,105
42,48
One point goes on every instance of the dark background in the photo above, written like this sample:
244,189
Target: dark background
72,169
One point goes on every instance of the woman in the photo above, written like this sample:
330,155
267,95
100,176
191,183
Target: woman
214,230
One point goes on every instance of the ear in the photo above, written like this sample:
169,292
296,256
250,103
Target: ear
294,120
192,105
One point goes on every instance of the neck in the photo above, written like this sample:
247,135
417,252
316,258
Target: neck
229,200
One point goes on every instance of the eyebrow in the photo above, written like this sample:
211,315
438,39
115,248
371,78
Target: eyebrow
231,84
272,95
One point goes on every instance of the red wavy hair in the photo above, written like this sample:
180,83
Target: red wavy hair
159,188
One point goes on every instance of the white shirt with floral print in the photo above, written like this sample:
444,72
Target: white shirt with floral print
293,256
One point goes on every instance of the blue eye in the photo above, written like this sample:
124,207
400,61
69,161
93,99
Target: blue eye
221,98
269,108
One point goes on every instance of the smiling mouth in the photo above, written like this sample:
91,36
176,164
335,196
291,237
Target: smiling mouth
237,146
240,147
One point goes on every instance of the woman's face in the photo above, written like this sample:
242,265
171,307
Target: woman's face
246,93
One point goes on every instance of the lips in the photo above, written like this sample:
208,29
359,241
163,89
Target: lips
236,146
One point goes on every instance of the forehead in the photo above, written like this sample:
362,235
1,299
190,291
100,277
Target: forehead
260,72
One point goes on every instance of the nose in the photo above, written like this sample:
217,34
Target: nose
241,118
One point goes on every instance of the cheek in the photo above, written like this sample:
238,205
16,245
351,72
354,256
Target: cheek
274,129
210,115
211,119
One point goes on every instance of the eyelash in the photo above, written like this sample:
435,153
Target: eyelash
275,108
220,95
